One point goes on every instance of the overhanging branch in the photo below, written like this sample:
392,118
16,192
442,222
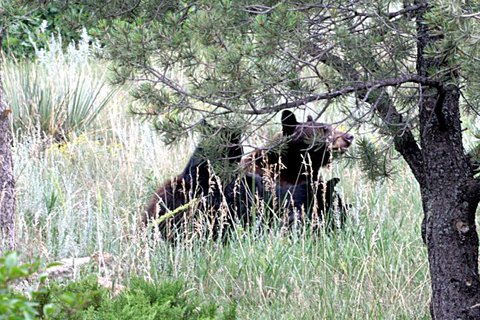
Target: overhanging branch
370,86
404,141
359,87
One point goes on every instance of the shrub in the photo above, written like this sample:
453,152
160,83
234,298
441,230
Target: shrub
51,102
142,300
15,305
30,24
68,301
86,299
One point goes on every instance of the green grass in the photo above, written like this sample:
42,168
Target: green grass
86,196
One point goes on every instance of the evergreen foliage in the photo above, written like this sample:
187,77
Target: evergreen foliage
373,161
86,299
234,59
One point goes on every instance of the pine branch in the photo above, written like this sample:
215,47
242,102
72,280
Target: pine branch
404,141
370,86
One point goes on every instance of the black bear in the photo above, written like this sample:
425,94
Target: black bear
198,195
294,171
197,190
318,204
309,146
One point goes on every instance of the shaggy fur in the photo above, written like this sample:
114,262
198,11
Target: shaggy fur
208,200
294,171
199,197
309,147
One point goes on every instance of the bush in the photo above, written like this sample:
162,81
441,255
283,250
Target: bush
166,300
142,300
30,24
15,305
86,299
53,102
59,93
68,301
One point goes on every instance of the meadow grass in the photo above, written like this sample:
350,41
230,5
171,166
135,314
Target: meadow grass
86,195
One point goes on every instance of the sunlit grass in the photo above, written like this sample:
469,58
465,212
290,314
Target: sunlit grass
86,195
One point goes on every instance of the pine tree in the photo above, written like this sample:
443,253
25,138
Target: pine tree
406,64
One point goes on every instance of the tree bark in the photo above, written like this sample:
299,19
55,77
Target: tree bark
449,207
7,182
449,194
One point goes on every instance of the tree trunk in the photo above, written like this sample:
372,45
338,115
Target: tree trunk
449,192
7,183
450,231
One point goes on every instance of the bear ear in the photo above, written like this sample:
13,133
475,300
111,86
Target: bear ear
289,123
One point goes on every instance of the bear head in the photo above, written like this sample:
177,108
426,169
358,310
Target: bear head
308,147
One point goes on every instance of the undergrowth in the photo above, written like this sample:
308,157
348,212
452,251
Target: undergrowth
86,299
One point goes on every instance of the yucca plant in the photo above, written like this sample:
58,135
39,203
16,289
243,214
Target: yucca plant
59,93
54,101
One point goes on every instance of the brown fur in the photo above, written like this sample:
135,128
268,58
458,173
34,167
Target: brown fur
194,183
308,140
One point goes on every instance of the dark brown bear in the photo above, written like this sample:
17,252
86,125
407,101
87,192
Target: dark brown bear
308,147
196,191
295,169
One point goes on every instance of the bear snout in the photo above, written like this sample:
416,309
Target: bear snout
342,142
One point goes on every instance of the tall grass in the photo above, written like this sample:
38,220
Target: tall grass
87,195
